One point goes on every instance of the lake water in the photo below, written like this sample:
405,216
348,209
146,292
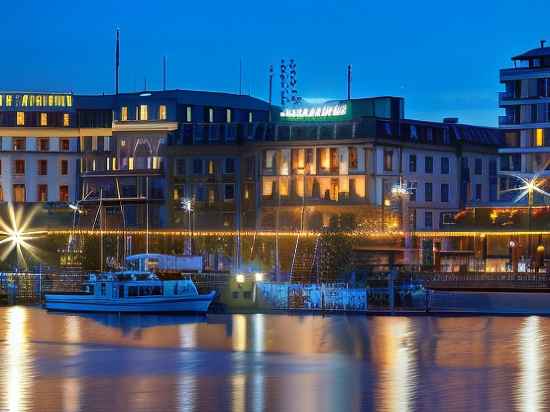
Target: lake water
58,362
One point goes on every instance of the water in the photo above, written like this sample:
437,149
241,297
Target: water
53,362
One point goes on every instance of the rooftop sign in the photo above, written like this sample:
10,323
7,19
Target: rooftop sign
34,100
332,111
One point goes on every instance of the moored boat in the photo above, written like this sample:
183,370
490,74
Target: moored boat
134,292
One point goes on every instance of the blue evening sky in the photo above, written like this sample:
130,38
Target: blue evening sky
442,56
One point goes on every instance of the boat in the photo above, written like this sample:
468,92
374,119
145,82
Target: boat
132,292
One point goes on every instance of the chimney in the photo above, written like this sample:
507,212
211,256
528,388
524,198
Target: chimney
542,43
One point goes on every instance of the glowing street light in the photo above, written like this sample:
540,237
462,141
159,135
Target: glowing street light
17,235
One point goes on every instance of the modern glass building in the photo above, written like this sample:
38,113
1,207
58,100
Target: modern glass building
526,122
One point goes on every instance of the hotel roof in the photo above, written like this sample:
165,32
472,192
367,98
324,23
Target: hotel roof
534,53
180,96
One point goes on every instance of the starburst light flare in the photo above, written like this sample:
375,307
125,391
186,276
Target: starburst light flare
17,235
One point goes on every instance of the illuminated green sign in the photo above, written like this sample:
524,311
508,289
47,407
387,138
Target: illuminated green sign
330,111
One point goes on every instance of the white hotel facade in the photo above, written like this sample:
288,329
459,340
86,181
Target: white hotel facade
39,156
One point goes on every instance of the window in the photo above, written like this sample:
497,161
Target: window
478,167
247,294
228,115
43,119
444,165
197,166
478,193
66,120
42,167
19,193
428,192
444,193
428,220
20,119
63,193
412,191
155,162
19,144
162,112
229,165
229,192
19,167
124,113
65,167
44,145
1,194
143,112
210,115
388,160
131,163
492,167
211,167
65,145
180,167
539,137
428,164
188,114
250,117
106,143
412,163
353,163
42,193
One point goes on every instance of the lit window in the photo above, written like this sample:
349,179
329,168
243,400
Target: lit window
188,116
19,193
155,162
228,115
143,112
211,115
250,117
539,138
124,113
66,119
42,193
43,119
131,163
64,193
162,112
210,167
20,119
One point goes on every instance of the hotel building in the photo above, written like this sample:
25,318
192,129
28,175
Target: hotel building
39,156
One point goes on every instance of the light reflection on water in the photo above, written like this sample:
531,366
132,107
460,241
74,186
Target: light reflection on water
259,362
531,381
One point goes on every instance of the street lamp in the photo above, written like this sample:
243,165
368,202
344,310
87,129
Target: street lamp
187,205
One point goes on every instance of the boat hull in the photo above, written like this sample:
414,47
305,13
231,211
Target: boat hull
68,303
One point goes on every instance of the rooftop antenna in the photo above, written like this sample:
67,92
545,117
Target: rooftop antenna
164,73
117,60
240,76
349,81
542,43
145,84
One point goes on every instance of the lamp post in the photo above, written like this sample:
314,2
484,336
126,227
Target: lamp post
187,206
530,189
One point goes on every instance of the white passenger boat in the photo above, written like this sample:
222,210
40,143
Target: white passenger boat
132,291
